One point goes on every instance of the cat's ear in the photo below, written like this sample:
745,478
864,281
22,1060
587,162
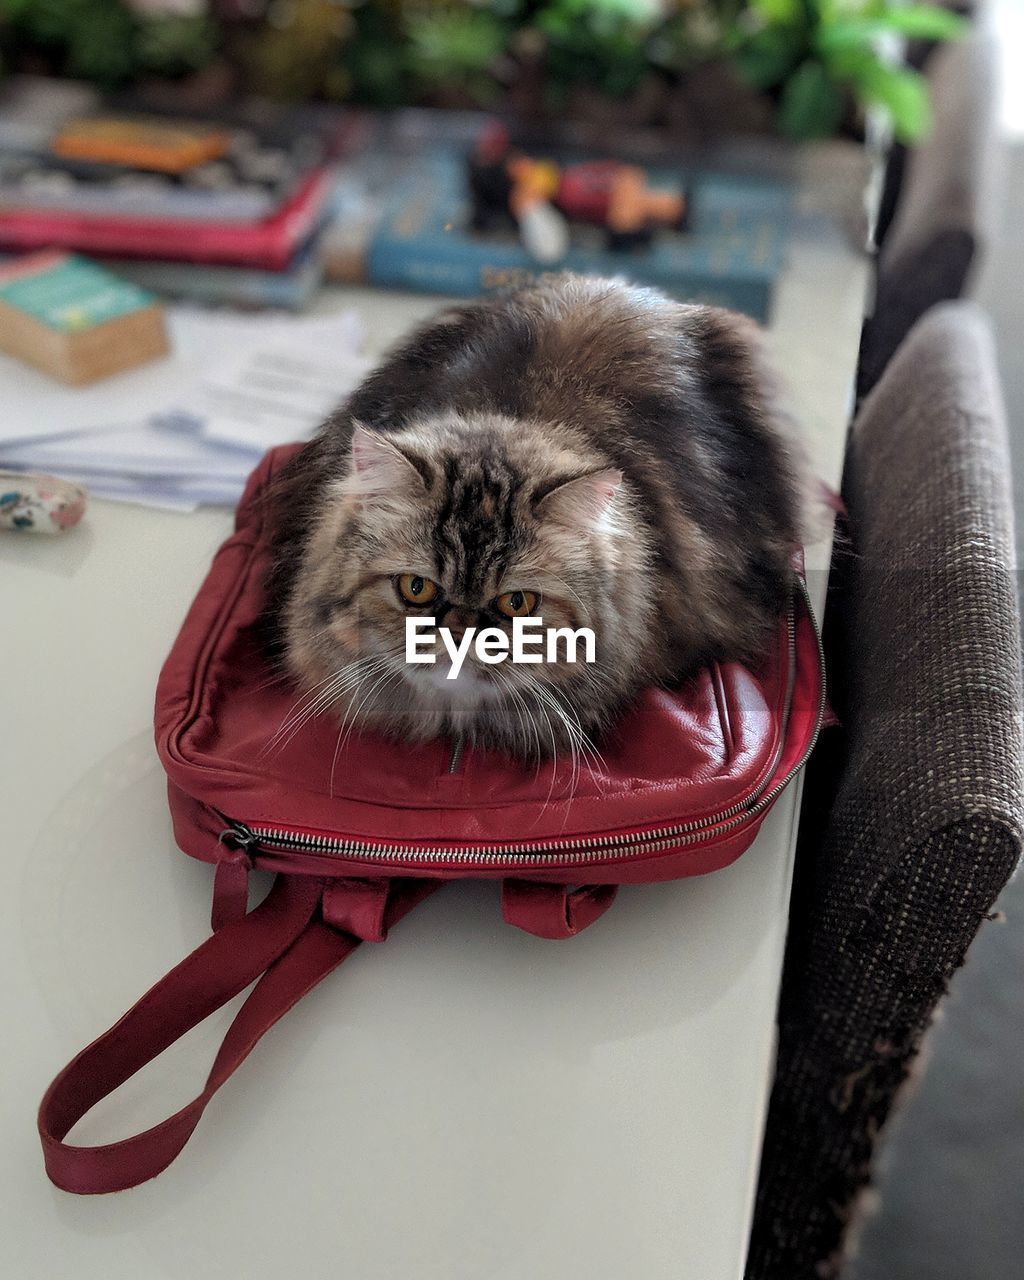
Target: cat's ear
377,466
582,502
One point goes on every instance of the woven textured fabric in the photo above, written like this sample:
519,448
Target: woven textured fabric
925,825
946,205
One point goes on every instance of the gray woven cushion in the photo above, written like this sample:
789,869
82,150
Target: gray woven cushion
926,824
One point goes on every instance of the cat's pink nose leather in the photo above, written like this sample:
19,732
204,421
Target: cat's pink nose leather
457,619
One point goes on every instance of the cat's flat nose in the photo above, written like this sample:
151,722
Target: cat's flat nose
460,619
457,618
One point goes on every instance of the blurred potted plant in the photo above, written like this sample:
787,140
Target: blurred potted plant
108,41
820,58
805,68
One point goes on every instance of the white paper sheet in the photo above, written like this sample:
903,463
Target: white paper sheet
187,429
143,450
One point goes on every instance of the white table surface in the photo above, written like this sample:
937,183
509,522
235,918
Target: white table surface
462,1102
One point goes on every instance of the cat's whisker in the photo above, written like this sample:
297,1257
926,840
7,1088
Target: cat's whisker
342,737
281,677
592,757
344,731
383,680
565,587
523,717
294,711
328,695
541,707
580,745
587,749
511,700
350,720
314,701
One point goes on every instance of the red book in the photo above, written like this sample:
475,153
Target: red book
269,244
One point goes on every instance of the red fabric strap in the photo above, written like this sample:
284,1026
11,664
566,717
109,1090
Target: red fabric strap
230,886
285,941
553,910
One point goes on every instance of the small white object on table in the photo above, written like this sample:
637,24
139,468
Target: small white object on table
463,1102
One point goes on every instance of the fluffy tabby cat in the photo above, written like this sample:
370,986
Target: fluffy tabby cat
584,450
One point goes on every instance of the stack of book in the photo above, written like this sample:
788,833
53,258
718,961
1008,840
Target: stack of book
254,207
226,210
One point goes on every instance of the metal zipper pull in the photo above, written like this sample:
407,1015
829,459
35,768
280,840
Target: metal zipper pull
239,836
455,759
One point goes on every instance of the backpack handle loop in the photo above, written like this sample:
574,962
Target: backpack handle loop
554,910
284,945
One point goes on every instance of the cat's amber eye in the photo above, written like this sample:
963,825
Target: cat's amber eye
415,589
517,604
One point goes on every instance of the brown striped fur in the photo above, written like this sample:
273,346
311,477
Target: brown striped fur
478,435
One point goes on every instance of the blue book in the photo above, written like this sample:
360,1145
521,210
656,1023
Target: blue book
730,255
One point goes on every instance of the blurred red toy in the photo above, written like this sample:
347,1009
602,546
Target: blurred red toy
541,196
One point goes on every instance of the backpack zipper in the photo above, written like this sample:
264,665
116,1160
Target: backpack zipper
458,745
572,851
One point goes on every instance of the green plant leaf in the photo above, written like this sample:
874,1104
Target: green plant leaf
175,45
811,105
640,12
778,11
849,33
100,45
903,93
769,56
918,22
14,9
451,44
923,21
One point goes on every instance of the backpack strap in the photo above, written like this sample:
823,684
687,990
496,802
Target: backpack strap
553,910
284,943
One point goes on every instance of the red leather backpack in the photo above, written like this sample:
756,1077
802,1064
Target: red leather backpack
681,789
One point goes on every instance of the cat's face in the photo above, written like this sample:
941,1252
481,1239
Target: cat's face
470,524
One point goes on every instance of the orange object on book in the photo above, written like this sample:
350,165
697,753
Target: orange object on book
139,143
633,205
